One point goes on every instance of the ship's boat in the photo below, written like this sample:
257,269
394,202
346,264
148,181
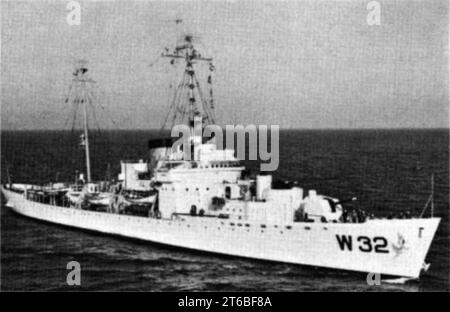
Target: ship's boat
141,200
74,197
89,194
104,199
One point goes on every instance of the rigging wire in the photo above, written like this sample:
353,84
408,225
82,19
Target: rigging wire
154,61
209,114
95,116
173,105
107,138
67,101
76,104
109,116
179,106
169,102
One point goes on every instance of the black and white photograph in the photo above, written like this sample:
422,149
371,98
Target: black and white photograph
226,146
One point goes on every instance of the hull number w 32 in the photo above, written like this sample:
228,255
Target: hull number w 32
377,244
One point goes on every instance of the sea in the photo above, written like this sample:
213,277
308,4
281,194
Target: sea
389,171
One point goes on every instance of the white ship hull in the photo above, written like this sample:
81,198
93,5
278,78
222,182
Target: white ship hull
391,247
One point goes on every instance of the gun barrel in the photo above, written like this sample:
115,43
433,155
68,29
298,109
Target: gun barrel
344,201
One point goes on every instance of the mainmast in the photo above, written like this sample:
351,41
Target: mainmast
189,81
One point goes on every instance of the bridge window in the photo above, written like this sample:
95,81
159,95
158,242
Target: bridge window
228,192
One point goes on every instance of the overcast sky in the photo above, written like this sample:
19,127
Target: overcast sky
297,64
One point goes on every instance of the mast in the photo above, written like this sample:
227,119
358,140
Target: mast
86,141
430,200
190,71
432,195
82,95
190,55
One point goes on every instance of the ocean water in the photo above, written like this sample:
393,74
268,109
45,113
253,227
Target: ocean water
387,170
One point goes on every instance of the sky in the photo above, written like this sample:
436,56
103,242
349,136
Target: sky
296,64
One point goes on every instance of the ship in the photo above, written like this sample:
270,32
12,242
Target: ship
205,200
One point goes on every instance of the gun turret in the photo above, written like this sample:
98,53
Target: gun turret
344,201
334,204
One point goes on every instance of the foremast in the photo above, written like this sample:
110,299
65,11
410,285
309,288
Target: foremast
80,93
